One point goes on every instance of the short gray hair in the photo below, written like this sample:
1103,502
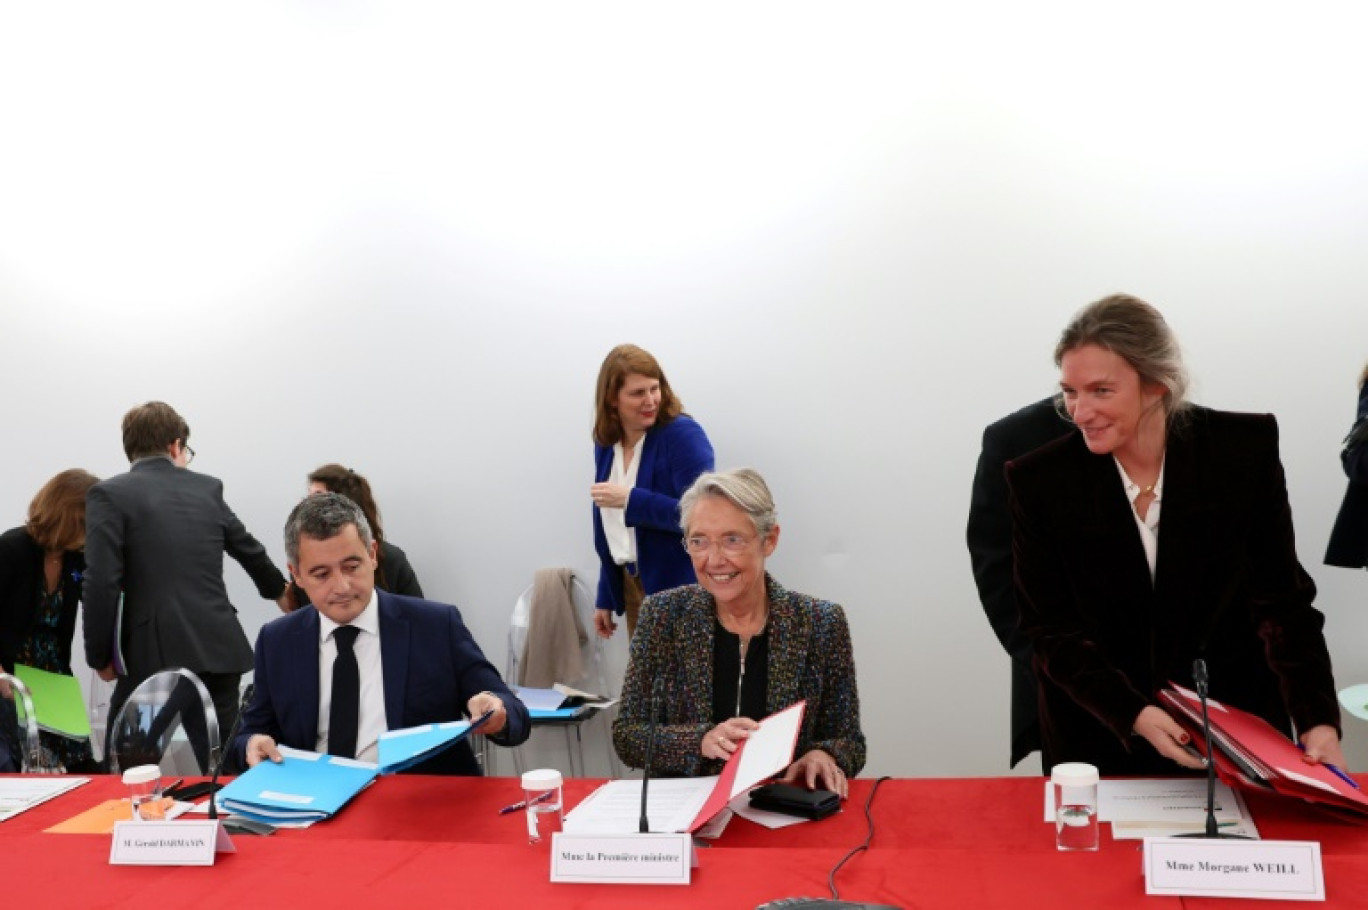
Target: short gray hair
322,516
742,487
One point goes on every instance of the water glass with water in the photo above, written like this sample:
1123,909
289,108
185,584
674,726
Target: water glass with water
1075,801
542,793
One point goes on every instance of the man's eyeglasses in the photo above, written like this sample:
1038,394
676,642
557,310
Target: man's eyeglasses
731,544
189,452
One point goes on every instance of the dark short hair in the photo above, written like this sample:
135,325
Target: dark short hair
149,428
56,517
338,479
323,517
621,362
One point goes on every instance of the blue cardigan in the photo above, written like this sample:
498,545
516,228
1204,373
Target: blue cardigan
672,456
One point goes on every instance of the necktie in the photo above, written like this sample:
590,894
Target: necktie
346,695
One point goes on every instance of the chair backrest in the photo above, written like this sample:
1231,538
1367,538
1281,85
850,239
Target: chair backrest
30,756
164,703
593,679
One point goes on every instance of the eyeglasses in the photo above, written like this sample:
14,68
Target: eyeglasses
189,452
731,544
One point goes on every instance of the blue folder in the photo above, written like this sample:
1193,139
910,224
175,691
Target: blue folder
305,787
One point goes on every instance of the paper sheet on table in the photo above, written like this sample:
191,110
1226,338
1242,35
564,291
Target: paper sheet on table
19,794
539,699
100,819
615,807
1145,808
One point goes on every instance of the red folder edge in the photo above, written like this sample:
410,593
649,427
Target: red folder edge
722,792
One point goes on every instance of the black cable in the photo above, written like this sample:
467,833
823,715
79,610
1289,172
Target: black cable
831,879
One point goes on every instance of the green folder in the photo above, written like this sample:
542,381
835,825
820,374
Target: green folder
57,700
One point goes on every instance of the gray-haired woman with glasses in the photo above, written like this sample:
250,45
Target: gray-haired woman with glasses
737,647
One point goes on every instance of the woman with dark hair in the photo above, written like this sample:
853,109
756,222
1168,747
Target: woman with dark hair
41,566
1117,609
394,574
1349,538
647,452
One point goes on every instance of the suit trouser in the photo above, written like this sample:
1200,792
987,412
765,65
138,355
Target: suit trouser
223,690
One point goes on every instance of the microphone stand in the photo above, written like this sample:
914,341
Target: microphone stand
656,690
1202,683
236,825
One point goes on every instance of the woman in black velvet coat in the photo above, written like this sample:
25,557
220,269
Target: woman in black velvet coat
1349,538
1117,608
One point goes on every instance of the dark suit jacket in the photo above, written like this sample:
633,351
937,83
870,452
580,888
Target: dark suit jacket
672,456
990,551
21,580
1228,588
395,575
432,667
158,534
1349,537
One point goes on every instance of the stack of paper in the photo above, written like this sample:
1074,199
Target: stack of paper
561,702
304,787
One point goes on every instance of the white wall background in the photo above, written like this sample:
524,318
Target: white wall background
403,236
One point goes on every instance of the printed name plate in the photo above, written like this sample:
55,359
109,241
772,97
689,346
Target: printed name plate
178,843
1288,870
622,859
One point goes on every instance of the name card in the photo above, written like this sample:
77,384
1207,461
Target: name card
623,859
1198,867
179,843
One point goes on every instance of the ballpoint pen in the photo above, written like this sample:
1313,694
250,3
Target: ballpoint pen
1335,770
522,803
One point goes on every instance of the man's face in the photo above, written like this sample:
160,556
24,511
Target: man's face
338,573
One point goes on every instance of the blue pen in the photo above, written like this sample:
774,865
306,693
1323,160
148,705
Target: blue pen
1335,771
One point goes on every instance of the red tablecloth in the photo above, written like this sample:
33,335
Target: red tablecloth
962,843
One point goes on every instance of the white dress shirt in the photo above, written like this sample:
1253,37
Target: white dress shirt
1149,525
371,723
621,539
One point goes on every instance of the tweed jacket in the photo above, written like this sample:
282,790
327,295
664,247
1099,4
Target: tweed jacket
809,658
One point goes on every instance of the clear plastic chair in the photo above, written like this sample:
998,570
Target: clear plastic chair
147,723
33,759
593,679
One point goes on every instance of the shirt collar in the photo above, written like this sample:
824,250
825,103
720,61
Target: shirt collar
1133,488
368,620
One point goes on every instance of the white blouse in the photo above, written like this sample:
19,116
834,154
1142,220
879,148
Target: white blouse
1149,525
621,539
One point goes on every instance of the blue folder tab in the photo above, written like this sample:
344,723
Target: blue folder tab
400,749
305,787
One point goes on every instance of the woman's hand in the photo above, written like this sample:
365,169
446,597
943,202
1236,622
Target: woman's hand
1322,746
818,768
610,495
725,738
1167,736
604,623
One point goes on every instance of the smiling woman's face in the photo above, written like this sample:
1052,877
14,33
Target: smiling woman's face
1106,399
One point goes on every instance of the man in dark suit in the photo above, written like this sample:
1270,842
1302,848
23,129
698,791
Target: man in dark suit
363,661
990,550
156,536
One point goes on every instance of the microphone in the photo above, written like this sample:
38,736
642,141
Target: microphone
1202,683
657,691
226,748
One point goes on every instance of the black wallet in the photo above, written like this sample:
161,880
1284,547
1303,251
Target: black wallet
792,800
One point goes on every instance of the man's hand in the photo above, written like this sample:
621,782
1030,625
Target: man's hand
108,674
261,747
483,703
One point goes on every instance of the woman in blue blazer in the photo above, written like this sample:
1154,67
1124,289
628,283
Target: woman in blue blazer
647,452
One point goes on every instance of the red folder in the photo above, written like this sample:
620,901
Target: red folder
1252,754
727,784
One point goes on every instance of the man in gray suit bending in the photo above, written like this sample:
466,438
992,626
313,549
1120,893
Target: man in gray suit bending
157,534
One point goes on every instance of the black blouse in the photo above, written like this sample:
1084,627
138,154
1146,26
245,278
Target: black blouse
730,673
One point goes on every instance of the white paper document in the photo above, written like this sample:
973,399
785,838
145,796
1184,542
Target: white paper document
19,794
769,749
615,808
1163,807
